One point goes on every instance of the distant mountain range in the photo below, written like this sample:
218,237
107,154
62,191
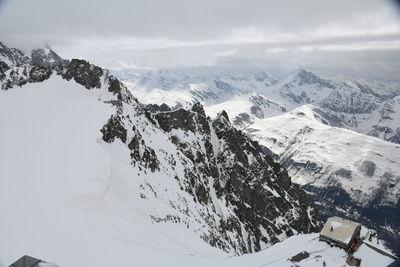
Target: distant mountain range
368,107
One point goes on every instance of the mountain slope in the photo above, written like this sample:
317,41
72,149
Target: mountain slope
123,177
346,173
357,173
68,197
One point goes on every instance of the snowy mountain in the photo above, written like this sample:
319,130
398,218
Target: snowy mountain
346,173
89,168
214,88
368,107
303,121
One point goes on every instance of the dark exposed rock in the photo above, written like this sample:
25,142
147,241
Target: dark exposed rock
148,158
115,86
180,119
243,180
39,74
3,67
300,256
367,167
84,73
192,120
158,108
114,129
224,115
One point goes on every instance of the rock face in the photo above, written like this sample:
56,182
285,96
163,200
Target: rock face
215,180
84,73
230,168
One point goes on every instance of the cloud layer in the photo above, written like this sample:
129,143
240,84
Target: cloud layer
275,34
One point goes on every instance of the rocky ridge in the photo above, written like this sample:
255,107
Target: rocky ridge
218,182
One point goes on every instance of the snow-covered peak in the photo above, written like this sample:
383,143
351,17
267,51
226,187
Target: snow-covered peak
11,57
46,57
303,77
255,77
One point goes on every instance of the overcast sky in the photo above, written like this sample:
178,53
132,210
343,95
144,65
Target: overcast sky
348,37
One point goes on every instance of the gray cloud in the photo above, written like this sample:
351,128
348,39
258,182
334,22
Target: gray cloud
55,20
332,36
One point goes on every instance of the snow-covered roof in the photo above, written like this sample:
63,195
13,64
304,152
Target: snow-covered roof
339,229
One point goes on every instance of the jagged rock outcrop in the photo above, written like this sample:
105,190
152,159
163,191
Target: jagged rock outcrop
84,73
259,192
17,69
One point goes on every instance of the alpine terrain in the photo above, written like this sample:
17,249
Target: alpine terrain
84,164
199,133
338,138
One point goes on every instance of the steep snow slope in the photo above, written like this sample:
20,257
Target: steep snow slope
67,196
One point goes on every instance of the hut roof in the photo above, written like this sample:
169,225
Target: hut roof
339,229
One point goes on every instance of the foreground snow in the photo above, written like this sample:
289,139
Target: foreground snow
319,252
